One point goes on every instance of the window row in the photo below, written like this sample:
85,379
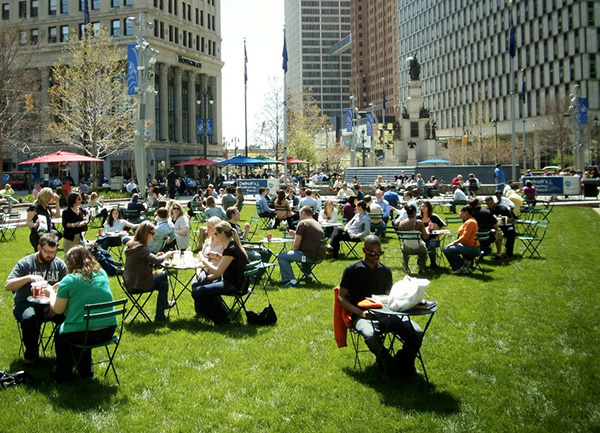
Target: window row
30,8
172,6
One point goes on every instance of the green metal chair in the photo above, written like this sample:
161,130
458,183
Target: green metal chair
533,241
252,276
138,299
307,267
98,311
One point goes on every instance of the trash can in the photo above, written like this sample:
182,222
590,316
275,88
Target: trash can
590,187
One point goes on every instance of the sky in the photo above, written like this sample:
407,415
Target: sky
261,23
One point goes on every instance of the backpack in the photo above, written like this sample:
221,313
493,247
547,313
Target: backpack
106,261
11,379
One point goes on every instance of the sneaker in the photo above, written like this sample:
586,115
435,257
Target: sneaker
291,283
308,279
170,305
500,256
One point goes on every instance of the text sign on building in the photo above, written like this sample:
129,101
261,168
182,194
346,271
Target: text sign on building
251,186
188,61
549,185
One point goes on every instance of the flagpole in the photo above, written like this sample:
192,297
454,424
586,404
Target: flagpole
524,133
383,120
246,102
285,123
513,49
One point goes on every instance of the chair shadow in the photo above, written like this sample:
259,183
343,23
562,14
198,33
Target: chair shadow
414,395
78,395
236,328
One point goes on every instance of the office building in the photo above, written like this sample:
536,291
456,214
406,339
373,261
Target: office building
187,73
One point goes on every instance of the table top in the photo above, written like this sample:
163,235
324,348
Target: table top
412,312
440,232
183,265
277,240
325,225
41,301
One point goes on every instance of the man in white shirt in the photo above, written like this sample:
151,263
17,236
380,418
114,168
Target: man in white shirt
459,197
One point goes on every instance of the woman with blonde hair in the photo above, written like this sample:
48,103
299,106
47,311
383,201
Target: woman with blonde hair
40,214
211,248
138,275
181,225
225,278
328,215
84,284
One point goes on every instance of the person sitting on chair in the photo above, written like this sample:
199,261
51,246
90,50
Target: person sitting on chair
414,246
138,275
432,222
85,284
165,232
233,216
262,206
225,279
369,277
306,244
358,227
466,243
42,265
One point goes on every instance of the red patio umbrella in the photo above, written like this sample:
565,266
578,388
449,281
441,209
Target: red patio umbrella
295,161
197,161
61,157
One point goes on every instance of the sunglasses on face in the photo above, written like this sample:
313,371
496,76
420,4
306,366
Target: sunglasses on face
152,233
374,253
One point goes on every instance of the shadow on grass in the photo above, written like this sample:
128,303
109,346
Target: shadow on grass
191,324
411,395
79,395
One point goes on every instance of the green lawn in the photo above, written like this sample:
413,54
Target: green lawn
513,350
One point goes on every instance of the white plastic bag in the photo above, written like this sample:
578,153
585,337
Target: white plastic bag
407,293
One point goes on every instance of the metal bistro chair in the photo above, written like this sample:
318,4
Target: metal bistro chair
263,220
44,341
98,311
138,299
252,276
307,267
533,241
475,259
411,239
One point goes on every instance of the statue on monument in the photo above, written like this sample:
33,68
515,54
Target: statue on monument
415,69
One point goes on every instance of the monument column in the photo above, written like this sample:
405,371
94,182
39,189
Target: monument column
191,102
178,105
163,96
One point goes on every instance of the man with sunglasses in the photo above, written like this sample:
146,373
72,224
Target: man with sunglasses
370,277
39,266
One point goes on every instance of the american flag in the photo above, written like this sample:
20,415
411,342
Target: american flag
245,66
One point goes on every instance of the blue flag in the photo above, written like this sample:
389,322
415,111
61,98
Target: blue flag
200,127
348,119
209,127
86,12
523,92
583,111
284,54
383,96
512,38
132,71
369,125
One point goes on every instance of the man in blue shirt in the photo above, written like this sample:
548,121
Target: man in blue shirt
262,207
392,196
165,232
383,203
499,177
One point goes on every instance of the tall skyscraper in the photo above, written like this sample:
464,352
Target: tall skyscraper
315,34
187,35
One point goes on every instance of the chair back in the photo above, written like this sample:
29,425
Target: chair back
453,220
131,215
251,275
103,310
410,238
375,217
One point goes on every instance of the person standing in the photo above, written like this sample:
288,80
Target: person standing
40,266
499,177
39,216
307,236
74,222
172,183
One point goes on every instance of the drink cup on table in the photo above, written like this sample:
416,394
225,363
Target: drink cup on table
38,288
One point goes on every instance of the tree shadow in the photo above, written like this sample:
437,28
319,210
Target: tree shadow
415,395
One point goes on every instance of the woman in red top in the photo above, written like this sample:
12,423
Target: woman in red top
466,244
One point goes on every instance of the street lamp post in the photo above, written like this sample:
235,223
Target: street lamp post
353,141
235,141
495,125
145,90
579,148
364,154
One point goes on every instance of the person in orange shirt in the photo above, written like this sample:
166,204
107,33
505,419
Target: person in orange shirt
465,244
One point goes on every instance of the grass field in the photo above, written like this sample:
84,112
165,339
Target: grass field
515,349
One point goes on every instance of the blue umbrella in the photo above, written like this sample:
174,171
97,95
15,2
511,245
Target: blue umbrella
435,161
241,160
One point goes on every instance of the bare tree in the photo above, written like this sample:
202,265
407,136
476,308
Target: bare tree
19,93
269,123
557,134
90,105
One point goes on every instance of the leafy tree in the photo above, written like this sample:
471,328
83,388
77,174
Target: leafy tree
558,129
19,93
270,122
91,109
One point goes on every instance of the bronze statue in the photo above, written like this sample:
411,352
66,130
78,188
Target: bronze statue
415,69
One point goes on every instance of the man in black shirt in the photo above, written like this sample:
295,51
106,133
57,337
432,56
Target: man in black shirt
370,277
487,221
172,183
508,229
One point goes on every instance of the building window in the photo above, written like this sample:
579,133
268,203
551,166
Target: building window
128,28
64,33
183,11
115,28
34,8
414,129
23,37
22,9
5,11
130,3
115,3
64,6
95,5
52,7
34,36
52,35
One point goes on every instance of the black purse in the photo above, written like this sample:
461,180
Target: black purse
266,317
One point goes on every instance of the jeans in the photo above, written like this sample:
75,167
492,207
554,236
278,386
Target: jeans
208,301
432,245
409,332
337,237
67,354
454,203
510,235
10,200
378,228
453,254
161,285
285,260
30,317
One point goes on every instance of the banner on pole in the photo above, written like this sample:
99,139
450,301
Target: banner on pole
132,71
349,120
